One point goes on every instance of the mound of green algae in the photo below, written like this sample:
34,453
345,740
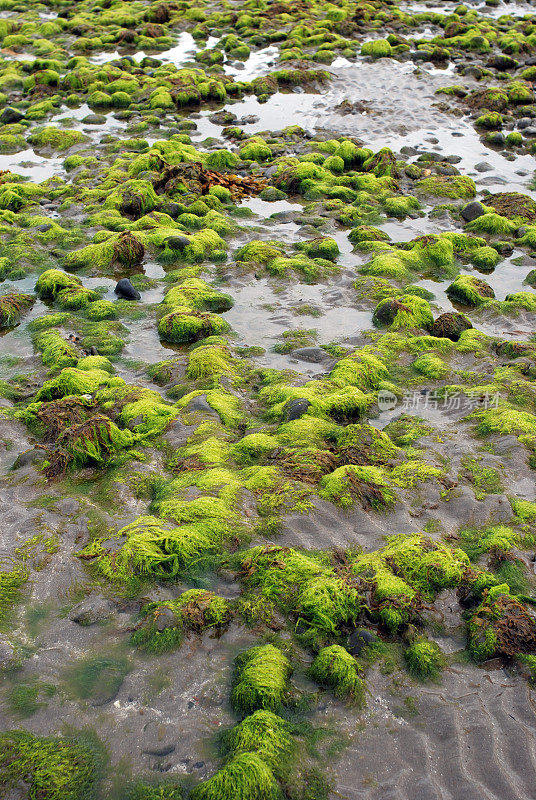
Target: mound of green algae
157,200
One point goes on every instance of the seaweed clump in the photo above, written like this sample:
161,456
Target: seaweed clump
51,767
261,679
13,306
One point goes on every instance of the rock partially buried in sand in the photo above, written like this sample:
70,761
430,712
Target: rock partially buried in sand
472,211
126,290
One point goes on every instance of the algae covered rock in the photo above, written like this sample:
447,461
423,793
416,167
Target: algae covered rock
407,311
450,325
13,306
470,291
184,325
336,668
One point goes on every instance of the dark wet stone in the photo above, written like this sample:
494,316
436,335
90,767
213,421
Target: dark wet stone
502,62
446,169
171,209
453,159
504,248
199,764
530,131
178,242
315,355
450,325
483,166
44,228
408,151
28,457
524,122
148,61
472,211
522,231
435,157
126,290
10,115
91,610
358,639
296,408
95,119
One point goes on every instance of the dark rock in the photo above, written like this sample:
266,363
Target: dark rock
10,115
359,639
408,151
502,62
171,209
472,211
177,242
223,118
504,248
295,409
524,122
473,72
91,610
483,166
126,290
315,355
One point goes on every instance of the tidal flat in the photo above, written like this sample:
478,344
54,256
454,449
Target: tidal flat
267,400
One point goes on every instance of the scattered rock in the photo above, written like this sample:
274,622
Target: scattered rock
472,211
359,639
126,290
10,115
92,610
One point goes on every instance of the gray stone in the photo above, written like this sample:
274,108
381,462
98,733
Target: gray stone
472,211
315,355
91,610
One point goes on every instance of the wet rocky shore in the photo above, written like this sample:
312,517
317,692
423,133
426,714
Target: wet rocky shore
267,400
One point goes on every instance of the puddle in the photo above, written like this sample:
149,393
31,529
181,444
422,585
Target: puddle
259,63
259,326
36,167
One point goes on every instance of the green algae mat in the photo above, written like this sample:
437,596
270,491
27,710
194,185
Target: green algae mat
267,400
